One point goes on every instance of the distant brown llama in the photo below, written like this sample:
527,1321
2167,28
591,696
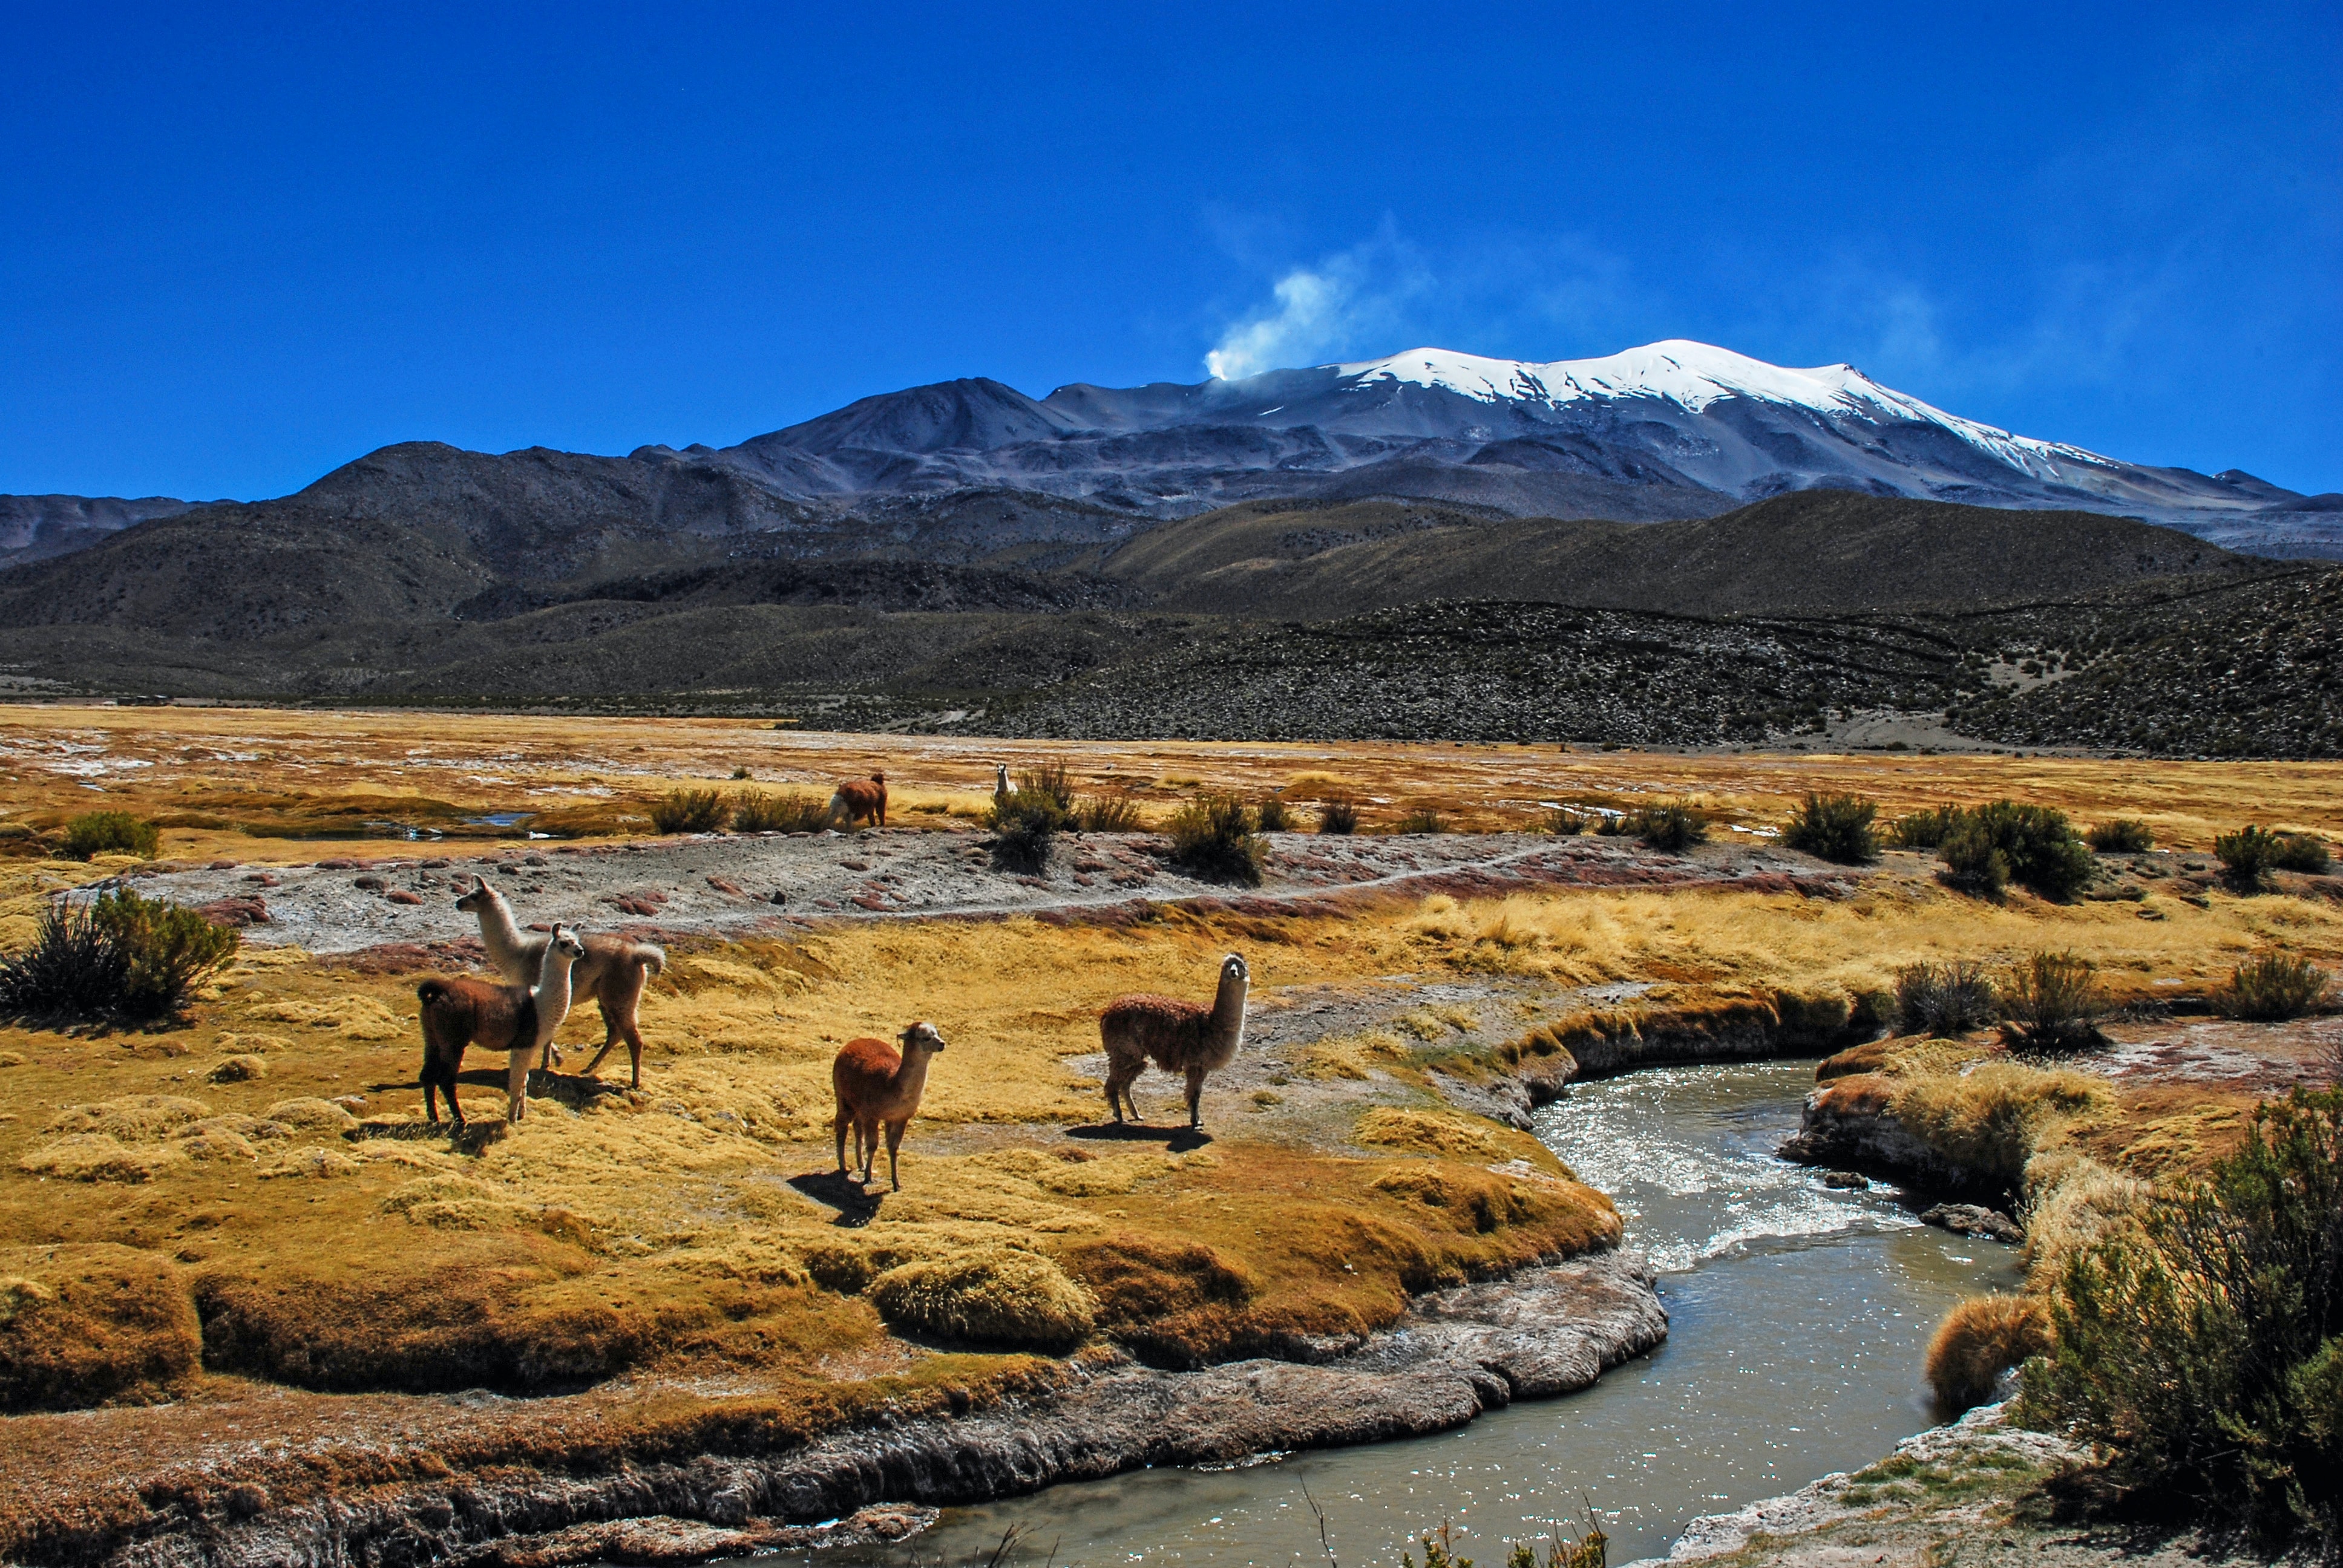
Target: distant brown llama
876,1085
1180,1037
861,798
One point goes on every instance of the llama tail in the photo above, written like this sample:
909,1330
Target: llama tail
651,958
432,992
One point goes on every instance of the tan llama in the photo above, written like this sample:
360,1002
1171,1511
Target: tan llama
875,1084
516,1019
1180,1037
861,799
613,971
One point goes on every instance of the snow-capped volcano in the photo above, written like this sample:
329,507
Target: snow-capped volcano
1670,430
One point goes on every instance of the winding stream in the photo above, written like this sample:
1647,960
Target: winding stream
1797,1316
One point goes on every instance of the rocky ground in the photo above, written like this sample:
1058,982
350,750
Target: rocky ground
742,885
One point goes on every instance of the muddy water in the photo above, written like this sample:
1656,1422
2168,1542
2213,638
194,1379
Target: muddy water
1798,1319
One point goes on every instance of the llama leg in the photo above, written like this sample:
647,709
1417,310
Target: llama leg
894,1141
613,1029
516,1081
866,1146
1119,1076
839,1125
1195,1098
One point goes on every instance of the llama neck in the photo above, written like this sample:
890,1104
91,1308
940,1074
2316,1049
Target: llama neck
499,933
911,1077
1229,1009
552,991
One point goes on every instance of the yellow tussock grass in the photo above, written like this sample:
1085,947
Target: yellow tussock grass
1978,1340
994,1295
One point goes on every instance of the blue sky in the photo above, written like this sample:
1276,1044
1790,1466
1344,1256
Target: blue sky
239,247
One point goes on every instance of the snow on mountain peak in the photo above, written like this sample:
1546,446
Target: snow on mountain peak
1693,375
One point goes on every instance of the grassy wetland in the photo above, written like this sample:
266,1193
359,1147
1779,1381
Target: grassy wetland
238,1273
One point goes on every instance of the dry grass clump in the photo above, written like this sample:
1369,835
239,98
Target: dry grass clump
790,811
2072,1201
2053,1003
310,1113
1449,1135
242,1068
691,811
1215,837
1273,816
1158,1295
1944,1000
1979,1340
1108,812
1338,814
2121,836
1985,1123
2273,986
1420,820
92,1324
995,1295
1671,826
96,1157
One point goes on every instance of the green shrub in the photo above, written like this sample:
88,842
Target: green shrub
1024,825
2122,836
118,956
2204,1348
2248,856
1973,862
1338,814
691,811
1943,999
2274,987
1988,847
1924,829
1835,827
2301,852
1114,811
2053,1003
111,833
1273,816
1213,837
1671,825
1563,822
762,811
1420,820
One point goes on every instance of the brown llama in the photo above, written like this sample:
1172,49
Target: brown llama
613,971
858,799
875,1084
1180,1037
516,1019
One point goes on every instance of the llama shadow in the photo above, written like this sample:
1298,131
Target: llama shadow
1175,1140
574,1090
856,1206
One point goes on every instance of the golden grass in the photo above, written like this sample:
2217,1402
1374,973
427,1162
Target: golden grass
1978,1340
294,777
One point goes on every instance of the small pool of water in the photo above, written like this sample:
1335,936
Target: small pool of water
1798,1319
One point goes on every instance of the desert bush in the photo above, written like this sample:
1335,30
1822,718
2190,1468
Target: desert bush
1213,835
2053,1003
1835,827
118,956
2203,1347
1563,822
2122,836
1338,814
1052,783
2273,986
1024,825
2301,852
691,811
994,1295
2248,856
1420,820
1924,829
98,833
1109,811
1944,1000
1273,816
1978,1340
1986,847
763,812
1670,825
